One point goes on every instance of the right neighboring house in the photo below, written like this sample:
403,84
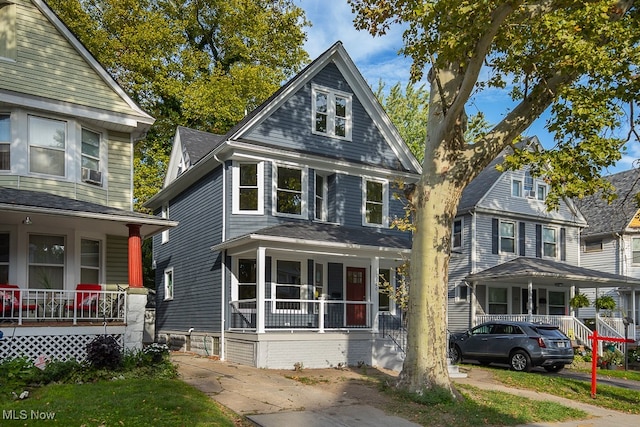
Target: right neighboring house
611,242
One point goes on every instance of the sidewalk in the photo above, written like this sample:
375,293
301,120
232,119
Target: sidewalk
269,399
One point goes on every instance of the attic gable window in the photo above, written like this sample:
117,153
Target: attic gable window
8,31
331,112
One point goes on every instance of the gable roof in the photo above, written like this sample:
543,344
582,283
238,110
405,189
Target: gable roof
545,271
235,138
127,117
604,218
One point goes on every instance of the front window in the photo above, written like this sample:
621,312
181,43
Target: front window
248,188
375,203
557,303
636,250
247,282
289,185
4,257
321,198
47,145
507,237
384,288
456,238
498,301
168,283
46,262
331,113
89,261
549,241
288,284
5,141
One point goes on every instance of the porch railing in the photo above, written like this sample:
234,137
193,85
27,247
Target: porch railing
40,305
301,314
393,327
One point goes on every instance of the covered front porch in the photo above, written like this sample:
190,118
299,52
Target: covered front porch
539,290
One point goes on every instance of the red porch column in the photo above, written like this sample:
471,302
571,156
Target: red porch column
135,256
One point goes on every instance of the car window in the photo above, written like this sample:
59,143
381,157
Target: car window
481,330
506,330
551,332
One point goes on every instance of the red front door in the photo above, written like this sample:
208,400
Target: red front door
356,291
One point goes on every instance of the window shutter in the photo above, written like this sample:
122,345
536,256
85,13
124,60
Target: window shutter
494,235
521,238
538,240
563,244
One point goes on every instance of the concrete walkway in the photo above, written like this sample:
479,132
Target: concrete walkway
269,399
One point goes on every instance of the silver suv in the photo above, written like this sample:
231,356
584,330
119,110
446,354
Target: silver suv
522,345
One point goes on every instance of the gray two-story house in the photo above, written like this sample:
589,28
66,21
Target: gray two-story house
514,259
284,231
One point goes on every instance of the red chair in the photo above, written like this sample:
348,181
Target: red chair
87,298
11,301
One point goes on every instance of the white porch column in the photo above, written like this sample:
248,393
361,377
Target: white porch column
261,290
375,306
572,293
634,313
530,300
474,303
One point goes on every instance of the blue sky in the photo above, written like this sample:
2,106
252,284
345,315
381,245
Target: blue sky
378,59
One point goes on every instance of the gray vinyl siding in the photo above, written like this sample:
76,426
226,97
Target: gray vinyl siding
290,127
48,66
117,260
607,260
196,269
459,267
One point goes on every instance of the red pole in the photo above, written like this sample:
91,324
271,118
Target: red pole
135,256
594,363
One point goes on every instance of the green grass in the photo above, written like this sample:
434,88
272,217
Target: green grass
480,408
609,397
125,402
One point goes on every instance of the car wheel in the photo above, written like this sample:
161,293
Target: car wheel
455,355
520,361
554,368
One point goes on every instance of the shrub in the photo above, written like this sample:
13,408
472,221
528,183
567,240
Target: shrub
104,352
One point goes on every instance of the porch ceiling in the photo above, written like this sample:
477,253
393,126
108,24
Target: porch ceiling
550,273
55,212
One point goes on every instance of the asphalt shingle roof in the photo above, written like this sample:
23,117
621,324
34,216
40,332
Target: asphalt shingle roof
198,143
606,218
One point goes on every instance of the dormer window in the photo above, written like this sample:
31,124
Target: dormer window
331,112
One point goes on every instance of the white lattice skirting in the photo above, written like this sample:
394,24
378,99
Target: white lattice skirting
52,343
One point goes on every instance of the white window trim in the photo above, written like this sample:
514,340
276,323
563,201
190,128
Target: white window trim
540,185
304,190
325,194
515,237
385,203
461,233
304,286
235,208
168,271
556,242
68,144
331,96
458,298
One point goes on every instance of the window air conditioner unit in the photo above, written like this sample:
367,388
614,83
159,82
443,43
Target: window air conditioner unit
531,194
91,176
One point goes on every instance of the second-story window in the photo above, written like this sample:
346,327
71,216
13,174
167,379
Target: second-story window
549,242
5,142
375,203
321,198
635,250
47,145
331,112
248,184
289,195
507,237
90,150
456,234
